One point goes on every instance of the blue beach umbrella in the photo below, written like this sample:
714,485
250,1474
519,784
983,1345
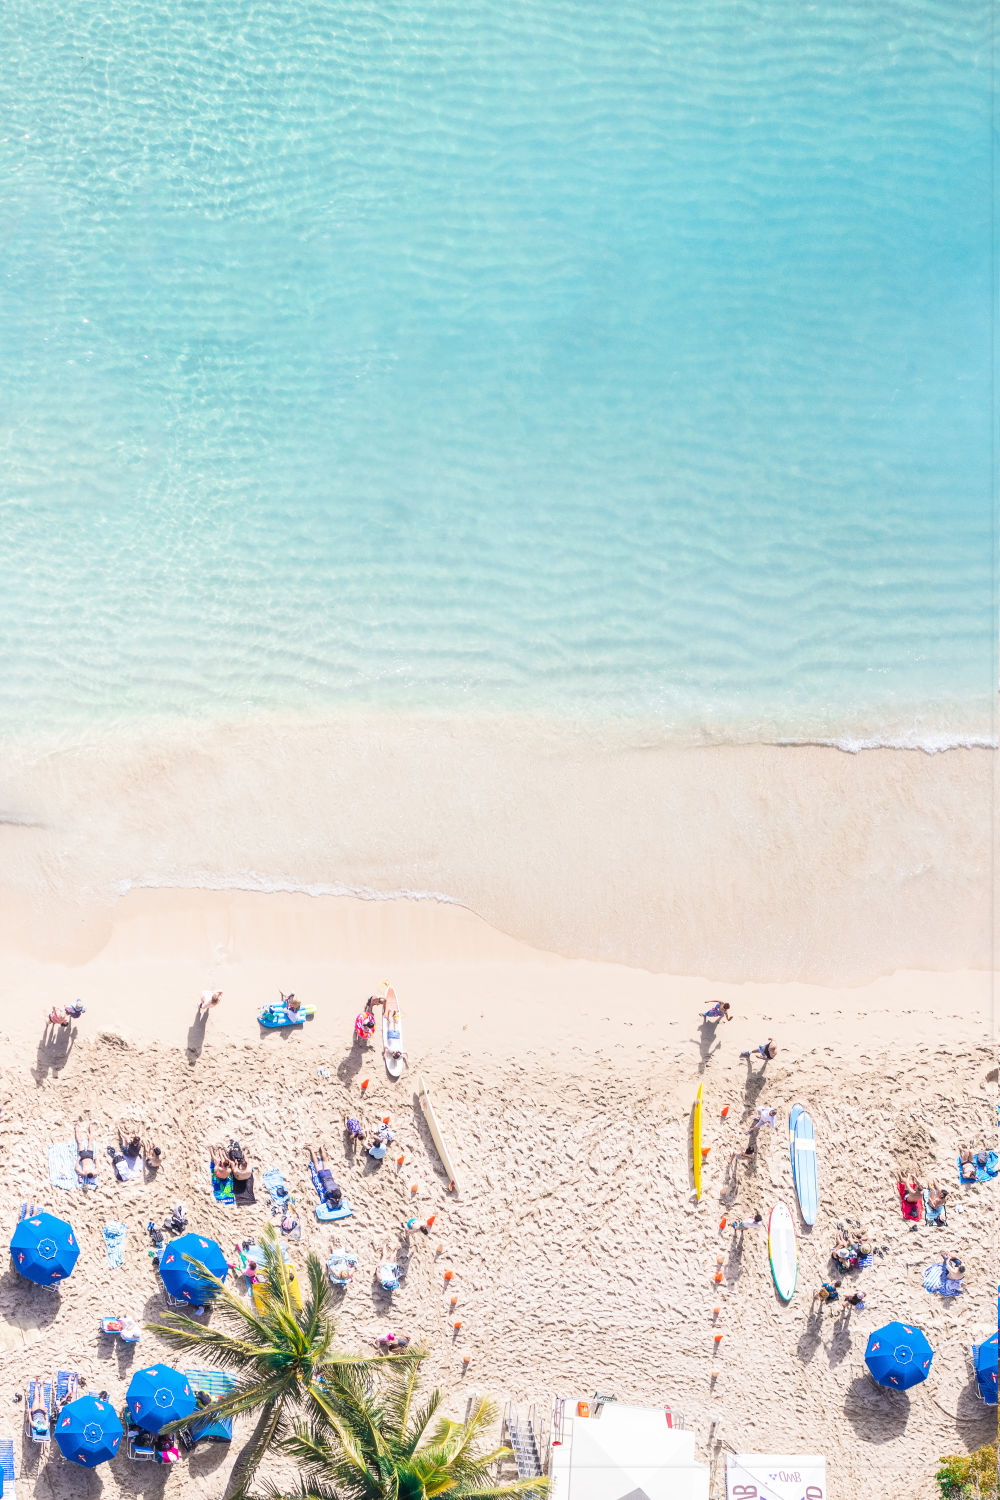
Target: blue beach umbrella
88,1431
181,1278
158,1396
984,1357
44,1249
898,1355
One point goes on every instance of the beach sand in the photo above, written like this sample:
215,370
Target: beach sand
739,862
581,1261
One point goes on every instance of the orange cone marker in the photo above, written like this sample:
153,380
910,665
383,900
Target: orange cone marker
448,1275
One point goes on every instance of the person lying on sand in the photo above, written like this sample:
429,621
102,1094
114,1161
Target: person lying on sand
935,1198
222,1167
86,1161
333,1194
717,1012
913,1193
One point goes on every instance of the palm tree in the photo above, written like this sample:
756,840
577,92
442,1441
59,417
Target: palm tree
369,1441
281,1355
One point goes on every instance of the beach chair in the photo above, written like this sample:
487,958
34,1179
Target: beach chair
8,1488
67,1387
211,1429
139,1446
30,1399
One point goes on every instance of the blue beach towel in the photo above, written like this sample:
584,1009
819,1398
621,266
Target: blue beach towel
62,1167
983,1174
325,1214
114,1241
222,1192
67,1382
274,1184
865,1262
935,1280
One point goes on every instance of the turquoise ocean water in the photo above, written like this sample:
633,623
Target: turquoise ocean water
625,361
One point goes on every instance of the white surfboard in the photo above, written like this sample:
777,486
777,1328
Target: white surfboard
392,1039
434,1127
802,1144
781,1245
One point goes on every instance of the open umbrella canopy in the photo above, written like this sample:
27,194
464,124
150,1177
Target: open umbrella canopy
44,1249
158,1396
899,1355
984,1358
181,1278
88,1431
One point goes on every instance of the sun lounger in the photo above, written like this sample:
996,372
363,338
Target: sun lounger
67,1387
983,1174
8,1488
217,1384
912,1211
35,1387
139,1446
324,1213
340,1267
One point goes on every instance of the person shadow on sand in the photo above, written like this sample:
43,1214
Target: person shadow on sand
53,1050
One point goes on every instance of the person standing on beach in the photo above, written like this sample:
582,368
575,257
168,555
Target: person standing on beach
765,1114
209,1000
766,1050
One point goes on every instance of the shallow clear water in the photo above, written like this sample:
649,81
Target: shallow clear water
625,361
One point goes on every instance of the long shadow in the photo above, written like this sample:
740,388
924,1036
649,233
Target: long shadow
812,1335
205,1457
140,1478
707,1034
840,1344
54,1049
876,1414
196,1037
357,1059
24,1305
973,1411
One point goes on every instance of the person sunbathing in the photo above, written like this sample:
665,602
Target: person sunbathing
242,1170
913,1193
38,1412
935,1198
333,1195
222,1167
844,1253
86,1161
153,1157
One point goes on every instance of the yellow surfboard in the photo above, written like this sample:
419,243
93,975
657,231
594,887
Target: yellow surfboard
696,1142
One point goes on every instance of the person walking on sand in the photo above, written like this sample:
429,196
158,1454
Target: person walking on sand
766,1050
717,1012
209,1000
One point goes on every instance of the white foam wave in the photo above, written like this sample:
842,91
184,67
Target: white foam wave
930,744
251,880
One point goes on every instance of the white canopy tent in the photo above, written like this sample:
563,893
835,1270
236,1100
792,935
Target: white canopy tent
625,1453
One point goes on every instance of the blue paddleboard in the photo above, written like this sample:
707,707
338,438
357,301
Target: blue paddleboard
802,1144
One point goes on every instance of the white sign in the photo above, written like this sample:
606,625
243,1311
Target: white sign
775,1476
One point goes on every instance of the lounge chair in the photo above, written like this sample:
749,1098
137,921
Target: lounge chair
8,1487
340,1267
36,1388
140,1446
209,1428
67,1387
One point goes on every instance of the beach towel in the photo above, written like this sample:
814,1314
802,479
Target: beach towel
325,1214
933,1215
936,1279
114,1241
865,1261
243,1191
62,1167
274,1184
129,1168
983,1174
912,1211
9,1491
67,1386
222,1192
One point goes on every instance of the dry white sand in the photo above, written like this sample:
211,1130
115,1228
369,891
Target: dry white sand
581,1260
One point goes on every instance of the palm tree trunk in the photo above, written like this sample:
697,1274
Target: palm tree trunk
249,1461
